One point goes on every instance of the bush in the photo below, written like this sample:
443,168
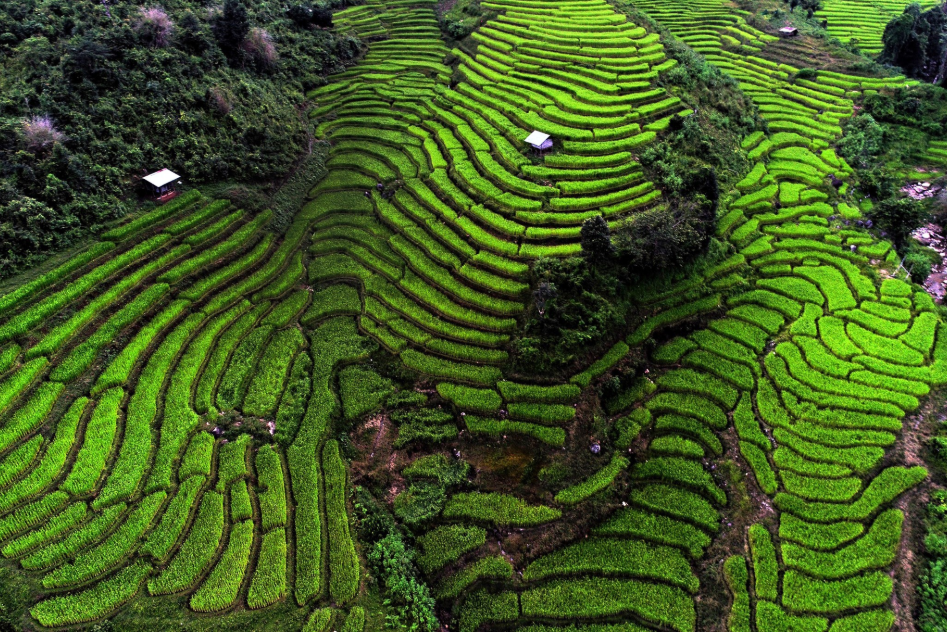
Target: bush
421,502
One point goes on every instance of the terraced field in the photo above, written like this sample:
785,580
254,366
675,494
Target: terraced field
862,21
125,365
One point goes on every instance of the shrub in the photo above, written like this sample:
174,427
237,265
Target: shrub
40,133
421,502
154,27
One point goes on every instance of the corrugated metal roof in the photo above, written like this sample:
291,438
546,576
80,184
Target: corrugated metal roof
537,138
161,178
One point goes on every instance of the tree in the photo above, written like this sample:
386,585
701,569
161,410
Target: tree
231,27
898,217
917,42
596,240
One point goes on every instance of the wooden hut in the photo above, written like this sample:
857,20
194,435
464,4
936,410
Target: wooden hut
163,184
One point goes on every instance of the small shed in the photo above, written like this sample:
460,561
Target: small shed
163,184
788,31
539,141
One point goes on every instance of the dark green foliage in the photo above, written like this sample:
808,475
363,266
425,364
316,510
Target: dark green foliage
596,241
916,41
862,140
577,306
932,588
391,560
97,88
421,502
462,18
898,217
231,27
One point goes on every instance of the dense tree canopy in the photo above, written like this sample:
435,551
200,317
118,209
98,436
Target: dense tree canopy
93,95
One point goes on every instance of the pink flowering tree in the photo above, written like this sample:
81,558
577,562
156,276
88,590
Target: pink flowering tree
154,27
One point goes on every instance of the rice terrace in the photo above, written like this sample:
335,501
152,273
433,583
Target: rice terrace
476,315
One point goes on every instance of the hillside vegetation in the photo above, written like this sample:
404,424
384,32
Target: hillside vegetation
93,96
669,375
